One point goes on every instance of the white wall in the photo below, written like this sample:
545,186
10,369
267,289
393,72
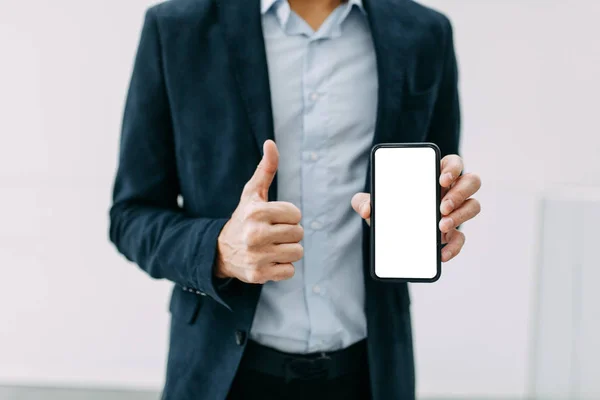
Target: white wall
74,312
567,327
530,74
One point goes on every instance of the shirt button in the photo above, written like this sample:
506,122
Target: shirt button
314,96
316,225
316,289
240,337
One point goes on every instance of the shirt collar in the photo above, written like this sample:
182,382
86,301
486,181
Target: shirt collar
359,4
266,5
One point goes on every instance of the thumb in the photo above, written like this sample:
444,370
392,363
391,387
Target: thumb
361,203
265,172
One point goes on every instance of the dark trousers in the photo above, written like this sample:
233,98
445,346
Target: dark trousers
251,384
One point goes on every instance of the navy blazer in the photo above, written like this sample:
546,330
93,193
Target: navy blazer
196,116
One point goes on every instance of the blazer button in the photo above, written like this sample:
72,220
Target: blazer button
240,337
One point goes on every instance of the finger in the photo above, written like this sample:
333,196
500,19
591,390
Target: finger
445,237
260,182
465,187
456,241
451,168
285,233
282,212
280,272
274,212
262,233
361,203
467,211
271,272
286,253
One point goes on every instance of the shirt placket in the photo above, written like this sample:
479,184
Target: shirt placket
314,190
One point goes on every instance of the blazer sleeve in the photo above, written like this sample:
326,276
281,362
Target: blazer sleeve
146,224
444,129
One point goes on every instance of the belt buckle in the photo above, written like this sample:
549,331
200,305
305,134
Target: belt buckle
307,369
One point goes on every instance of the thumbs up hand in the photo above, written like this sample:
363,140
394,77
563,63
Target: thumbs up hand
261,240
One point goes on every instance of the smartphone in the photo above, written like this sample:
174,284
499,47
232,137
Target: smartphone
405,213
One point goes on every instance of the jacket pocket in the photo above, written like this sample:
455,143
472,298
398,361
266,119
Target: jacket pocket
185,305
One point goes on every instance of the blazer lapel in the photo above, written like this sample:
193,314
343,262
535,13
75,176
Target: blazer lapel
242,25
392,37
390,27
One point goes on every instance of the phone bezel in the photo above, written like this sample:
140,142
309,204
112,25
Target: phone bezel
437,211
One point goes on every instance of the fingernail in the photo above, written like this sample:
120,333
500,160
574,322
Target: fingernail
446,254
447,206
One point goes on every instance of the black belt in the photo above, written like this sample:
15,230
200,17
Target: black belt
321,366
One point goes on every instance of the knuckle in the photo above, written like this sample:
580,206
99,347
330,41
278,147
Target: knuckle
253,234
289,272
299,232
261,231
254,276
286,271
247,187
252,259
298,251
292,270
295,213
280,276
255,211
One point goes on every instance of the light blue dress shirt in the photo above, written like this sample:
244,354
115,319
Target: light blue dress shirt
324,100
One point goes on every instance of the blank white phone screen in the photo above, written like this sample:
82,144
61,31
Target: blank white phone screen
405,212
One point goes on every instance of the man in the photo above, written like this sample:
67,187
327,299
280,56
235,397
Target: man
272,299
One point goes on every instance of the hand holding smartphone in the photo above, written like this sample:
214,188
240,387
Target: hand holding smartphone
405,201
